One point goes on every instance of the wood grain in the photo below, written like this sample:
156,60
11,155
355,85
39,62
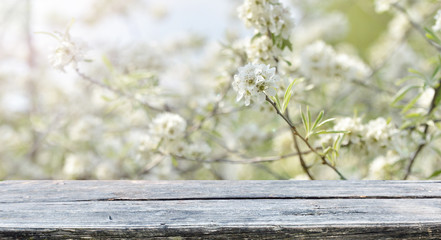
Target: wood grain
220,209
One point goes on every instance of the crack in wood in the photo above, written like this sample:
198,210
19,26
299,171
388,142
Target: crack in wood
254,198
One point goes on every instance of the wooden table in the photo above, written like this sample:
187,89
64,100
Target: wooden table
220,209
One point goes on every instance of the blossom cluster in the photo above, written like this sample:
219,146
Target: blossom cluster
437,25
262,50
383,5
254,82
320,61
382,166
267,16
273,24
167,133
377,132
66,53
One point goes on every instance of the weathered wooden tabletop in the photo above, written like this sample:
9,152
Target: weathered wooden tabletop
220,209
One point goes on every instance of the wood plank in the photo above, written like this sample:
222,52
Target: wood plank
220,209
281,217
47,191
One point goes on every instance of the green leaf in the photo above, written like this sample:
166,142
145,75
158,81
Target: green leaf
288,62
326,121
402,93
435,72
309,116
337,143
318,119
288,89
285,103
418,73
431,35
414,71
412,102
273,38
105,98
288,94
414,115
257,35
404,79
287,43
107,63
277,101
331,131
437,96
327,150
407,124
305,122
435,174
174,161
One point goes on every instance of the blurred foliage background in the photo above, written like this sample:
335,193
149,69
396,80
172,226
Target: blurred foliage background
181,55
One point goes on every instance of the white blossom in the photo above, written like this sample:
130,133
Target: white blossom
267,15
77,165
353,126
166,134
437,25
283,144
319,61
66,53
254,81
148,143
383,5
379,131
262,50
106,170
426,97
331,27
199,150
85,128
168,126
378,169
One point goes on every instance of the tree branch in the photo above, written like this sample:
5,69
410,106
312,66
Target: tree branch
295,132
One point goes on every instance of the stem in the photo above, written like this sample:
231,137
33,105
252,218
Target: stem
295,132
256,159
416,26
32,88
118,92
302,161
426,130
281,115
214,112
296,145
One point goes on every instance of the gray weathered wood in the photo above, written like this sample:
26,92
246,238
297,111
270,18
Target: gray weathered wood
221,209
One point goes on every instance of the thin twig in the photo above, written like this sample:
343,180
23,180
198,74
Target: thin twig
426,130
31,85
119,92
296,145
302,161
257,159
294,131
416,26
214,111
